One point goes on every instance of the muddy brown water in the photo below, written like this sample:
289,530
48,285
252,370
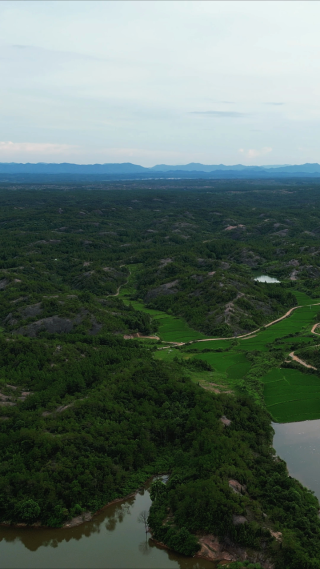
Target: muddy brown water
114,539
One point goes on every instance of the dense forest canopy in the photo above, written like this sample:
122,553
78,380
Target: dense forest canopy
87,415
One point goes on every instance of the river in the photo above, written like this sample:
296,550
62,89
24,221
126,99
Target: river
114,539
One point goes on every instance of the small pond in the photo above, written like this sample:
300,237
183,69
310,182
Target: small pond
266,279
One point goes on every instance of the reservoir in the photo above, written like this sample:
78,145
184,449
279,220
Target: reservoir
299,445
114,539
266,279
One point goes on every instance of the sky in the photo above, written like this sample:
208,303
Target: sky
160,82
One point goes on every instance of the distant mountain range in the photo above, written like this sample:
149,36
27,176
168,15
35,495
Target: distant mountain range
192,170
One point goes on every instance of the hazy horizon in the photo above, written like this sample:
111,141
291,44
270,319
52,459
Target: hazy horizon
155,164
160,83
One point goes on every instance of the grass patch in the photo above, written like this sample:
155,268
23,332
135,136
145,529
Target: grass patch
223,361
168,354
238,371
211,380
210,345
170,328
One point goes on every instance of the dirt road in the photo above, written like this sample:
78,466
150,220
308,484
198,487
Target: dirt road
296,359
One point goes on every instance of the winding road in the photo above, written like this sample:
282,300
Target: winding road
314,327
119,287
248,335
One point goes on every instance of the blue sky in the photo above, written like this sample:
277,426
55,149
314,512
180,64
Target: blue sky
160,82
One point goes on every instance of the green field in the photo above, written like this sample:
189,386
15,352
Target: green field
303,299
171,328
290,395
300,321
228,367
223,361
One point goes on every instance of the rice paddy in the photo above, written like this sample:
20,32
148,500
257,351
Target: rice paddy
291,395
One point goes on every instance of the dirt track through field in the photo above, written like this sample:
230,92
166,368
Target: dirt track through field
314,327
299,361
254,332
119,287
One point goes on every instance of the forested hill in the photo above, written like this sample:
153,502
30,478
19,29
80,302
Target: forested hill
196,249
87,416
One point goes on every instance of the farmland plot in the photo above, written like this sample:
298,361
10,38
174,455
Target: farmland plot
291,395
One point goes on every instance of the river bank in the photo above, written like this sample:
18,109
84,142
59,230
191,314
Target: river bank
73,522
211,553
112,539
84,516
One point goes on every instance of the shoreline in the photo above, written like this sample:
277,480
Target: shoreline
211,549
216,554
77,520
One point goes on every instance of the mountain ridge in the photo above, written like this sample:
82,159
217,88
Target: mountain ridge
188,170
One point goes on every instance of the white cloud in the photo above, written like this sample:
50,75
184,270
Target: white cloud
48,152
87,78
219,114
13,150
140,154
254,153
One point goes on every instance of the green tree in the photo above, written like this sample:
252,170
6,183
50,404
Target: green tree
28,510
